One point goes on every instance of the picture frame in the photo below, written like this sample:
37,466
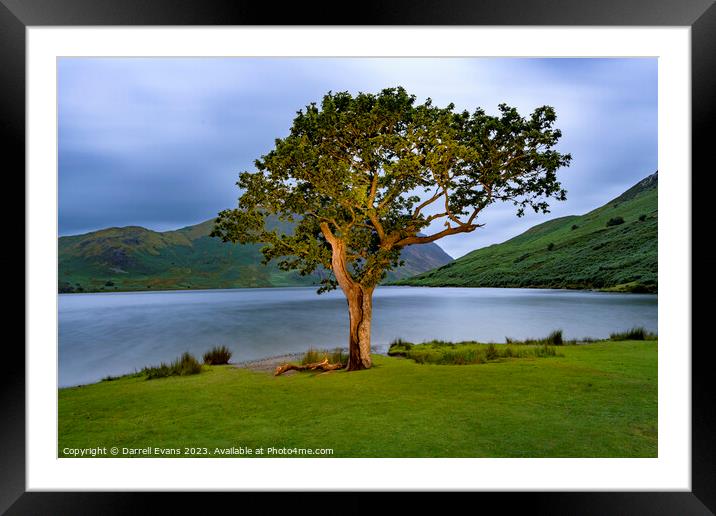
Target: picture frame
17,15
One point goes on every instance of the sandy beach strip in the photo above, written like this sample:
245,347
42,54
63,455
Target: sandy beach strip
270,363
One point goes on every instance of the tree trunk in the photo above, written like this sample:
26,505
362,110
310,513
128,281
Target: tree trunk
360,305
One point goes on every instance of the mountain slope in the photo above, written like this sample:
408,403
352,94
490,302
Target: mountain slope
136,258
569,252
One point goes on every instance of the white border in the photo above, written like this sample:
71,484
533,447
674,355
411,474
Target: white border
670,471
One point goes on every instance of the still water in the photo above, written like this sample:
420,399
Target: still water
116,333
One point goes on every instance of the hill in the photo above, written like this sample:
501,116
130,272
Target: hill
136,258
582,252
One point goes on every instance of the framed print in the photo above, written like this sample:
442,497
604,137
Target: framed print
472,194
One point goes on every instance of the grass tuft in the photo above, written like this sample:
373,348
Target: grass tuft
399,348
185,365
334,356
338,355
555,338
464,353
311,356
636,333
218,355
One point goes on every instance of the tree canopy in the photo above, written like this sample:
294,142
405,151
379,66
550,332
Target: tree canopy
372,173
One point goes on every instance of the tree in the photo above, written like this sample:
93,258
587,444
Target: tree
362,177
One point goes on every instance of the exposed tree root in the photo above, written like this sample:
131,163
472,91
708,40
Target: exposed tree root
316,366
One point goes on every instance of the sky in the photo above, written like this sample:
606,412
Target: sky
159,142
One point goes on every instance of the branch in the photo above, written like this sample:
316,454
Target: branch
327,232
435,197
449,212
319,217
445,232
373,190
377,225
435,216
323,366
472,217
353,218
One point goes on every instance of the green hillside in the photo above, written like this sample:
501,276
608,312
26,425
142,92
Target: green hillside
136,258
569,252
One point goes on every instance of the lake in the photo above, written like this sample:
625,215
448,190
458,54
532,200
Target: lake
115,333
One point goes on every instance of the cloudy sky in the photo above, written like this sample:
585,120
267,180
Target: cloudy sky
160,142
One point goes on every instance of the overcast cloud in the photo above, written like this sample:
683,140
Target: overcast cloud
160,142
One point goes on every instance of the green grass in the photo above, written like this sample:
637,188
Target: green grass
595,400
584,251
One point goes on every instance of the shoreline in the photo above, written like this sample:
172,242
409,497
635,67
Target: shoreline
263,364
268,363
606,290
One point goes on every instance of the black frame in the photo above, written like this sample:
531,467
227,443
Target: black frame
700,15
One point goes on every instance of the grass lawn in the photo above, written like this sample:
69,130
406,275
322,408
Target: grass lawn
595,400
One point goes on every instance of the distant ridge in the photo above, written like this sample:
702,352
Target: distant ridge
591,251
135,258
